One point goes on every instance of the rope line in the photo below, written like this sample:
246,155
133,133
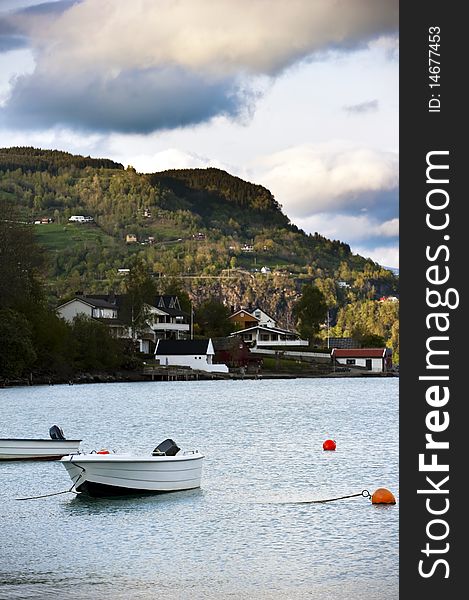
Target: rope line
47,495
364,493
70,491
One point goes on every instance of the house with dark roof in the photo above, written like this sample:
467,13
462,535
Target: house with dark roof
342,342
377,360
102,308
161,319
196,354
166,319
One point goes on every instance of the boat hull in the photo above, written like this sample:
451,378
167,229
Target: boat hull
36,449
110,475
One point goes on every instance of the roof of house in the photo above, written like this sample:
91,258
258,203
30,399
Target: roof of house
343,342
97,302
265,328
162,302
360,352
246,312
182,347
169,303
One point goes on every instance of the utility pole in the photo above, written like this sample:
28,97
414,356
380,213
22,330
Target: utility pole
328,324
192,322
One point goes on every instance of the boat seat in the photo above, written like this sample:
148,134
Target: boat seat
56,433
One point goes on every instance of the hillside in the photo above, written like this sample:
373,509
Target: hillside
215,234
34,159
222,200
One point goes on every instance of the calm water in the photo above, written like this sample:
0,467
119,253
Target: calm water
241,535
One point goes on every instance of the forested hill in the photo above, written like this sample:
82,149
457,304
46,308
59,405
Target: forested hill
32,159
213,191
184,224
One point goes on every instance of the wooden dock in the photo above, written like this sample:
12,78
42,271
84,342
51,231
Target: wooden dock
162,373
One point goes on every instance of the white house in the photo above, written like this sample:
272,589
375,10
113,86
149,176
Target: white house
99,308
163,318
377,360
265,320
249,317
197,354
260,336
91,307
81,219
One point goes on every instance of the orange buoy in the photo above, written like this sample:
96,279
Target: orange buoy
383,496
329,445
103,451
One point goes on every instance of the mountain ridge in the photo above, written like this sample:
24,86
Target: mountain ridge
183,223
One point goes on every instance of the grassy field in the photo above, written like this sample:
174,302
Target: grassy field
59,237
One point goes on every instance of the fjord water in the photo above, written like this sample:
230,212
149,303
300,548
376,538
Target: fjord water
248,532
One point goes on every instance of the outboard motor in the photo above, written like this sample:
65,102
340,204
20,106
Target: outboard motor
56,433
168,448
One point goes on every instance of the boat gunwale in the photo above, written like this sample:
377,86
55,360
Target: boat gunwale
120,458
38,440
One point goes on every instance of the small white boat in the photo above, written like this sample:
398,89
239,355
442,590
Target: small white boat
167,469
37,449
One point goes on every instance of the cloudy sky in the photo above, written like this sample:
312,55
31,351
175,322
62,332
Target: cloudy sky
299,96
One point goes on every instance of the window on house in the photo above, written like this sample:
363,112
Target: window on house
350,361
264,337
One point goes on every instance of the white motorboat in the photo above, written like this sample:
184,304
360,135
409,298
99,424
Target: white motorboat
167,469
36,449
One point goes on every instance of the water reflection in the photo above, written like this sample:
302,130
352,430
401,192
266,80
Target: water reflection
241,534
128,502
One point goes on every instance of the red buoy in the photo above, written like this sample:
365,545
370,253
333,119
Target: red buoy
383,496
329,445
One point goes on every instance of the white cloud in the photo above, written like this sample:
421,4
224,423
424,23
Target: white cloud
386,256
112,65
347,227
172,158
202,35
389,228
312,179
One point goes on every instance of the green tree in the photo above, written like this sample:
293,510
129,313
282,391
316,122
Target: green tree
140,290
372,340
20,258
17,355
310,311
94,347
211,319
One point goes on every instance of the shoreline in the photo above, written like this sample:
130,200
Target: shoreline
133,377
